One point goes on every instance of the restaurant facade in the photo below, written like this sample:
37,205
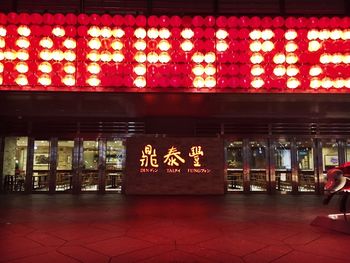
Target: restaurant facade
154,102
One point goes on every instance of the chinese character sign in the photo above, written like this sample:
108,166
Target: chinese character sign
174,165
149,157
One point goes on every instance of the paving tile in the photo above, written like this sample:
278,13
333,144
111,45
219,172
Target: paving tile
45,239
143,254
213,255
176,256
14,253
52,257
267,254
302,238
76,231
334,245
230,228
117,246
83,254
301,257
150,237
236,246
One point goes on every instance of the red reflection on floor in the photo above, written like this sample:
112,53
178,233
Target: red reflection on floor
115,228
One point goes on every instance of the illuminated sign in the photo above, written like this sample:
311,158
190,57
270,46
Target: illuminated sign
172,158
174,165
127,53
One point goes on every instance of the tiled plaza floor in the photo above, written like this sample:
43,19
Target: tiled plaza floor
116,228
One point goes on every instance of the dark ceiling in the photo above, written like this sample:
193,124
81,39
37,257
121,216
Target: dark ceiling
182,7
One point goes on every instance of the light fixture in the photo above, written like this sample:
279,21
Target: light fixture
58,31
23,31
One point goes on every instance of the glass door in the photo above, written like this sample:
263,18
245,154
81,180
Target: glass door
41,165
306,167
330,157
15,163
115,161
64,175
234,164
283,164
90,166
258,161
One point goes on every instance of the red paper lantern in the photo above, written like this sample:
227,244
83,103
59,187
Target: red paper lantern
291,22
141,21
255,22
83,19
59,19
198,32
232,21
71,19
267,22
209,21
12,18
244,21
3,19
95,19
175,21
302,22
198,21
118,20
106,20
82,31
278,21
221,21
209,32
129,20
24,18
152,21
313,22
186,21
164,21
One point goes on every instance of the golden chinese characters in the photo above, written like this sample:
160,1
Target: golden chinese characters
149,157
196,151
172,157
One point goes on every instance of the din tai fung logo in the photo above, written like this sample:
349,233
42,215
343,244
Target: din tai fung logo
173,160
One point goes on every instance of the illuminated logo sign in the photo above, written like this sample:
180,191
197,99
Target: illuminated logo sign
223,54
174,166
172,160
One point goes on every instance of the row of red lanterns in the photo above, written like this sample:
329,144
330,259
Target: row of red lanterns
174,21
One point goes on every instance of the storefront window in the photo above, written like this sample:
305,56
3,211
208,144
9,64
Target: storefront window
115,161
90,167
283,162
64,176
234,162
330,155
258,162
347,153
15,161
306,170
41,165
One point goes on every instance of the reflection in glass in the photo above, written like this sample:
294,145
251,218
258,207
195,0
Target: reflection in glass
305,159
14,165
258,166
283,163
41,165
115,160
90,167
64,174
347,154
234,161
330,155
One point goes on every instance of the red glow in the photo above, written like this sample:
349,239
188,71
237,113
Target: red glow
223,54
